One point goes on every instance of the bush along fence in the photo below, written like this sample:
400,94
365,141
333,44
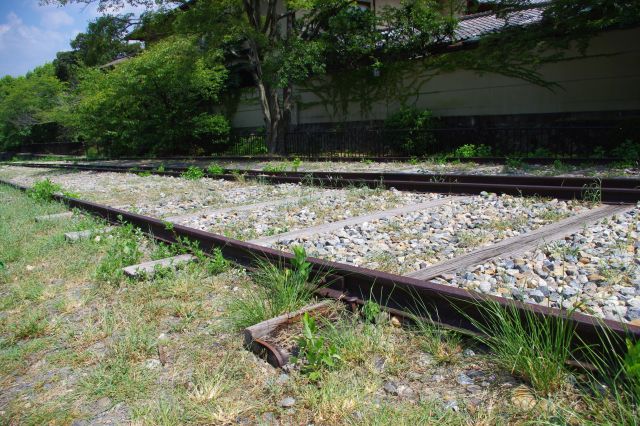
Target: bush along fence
516,142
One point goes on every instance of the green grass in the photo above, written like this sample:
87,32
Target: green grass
535,349
278,290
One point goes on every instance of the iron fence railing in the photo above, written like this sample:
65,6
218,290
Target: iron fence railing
566,142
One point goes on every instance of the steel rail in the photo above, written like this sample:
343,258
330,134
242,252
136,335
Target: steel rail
608,190
452,307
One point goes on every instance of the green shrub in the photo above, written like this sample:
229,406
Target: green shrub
295,164
483,150
249,146
44,190
193,173
215,169
371,311
628,150
513,163
418,140
465,151
318,354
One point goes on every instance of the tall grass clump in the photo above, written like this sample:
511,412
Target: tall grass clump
279,290
613,386
533,348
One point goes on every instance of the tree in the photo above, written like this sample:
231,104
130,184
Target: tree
26,102
105,40
161,101
284,42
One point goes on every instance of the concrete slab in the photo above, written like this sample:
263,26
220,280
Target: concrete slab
53,217
148,269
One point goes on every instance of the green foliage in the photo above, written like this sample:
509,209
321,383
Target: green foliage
105,40
295,164
279,290
318,354
123,250
44,190
632,366
215,169
513,163
275,168
532,347
371,311
409,127
629,150
161,101
193,173
26,103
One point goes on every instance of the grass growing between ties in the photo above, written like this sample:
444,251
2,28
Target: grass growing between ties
80,342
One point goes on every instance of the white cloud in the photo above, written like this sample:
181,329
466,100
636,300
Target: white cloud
56,19
23,47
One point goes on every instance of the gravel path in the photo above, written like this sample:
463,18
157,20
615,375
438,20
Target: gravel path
311,210
596,271
415,240
157,196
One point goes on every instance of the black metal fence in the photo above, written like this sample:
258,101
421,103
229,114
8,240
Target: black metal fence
565,142
498,141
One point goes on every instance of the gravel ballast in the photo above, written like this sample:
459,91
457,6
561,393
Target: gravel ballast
413,241
595,271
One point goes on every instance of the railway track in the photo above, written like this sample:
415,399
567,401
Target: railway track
453,307
607,190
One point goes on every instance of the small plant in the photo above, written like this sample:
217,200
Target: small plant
560,167
366,161
295,164
513,163
123,251
371,311
632,366
160,168
144,173
444,346
629,150
318,354
592,192
483,150
414,161
193,173
215,169
44,190
274,168
530,347
279,290
465,151
239,176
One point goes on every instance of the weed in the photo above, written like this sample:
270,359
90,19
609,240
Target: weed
530,347
592,193
215,169
295,164
193,173
144,173
160,168
443,345
366,161
44,190
318,354
560,167
414,161
239,176
31,325
465,151
274,168
279,290
371,311
123,251
513,163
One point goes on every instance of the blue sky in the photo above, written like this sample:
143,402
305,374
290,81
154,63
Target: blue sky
30,35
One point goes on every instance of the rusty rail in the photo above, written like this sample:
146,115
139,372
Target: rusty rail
452,307
607,190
